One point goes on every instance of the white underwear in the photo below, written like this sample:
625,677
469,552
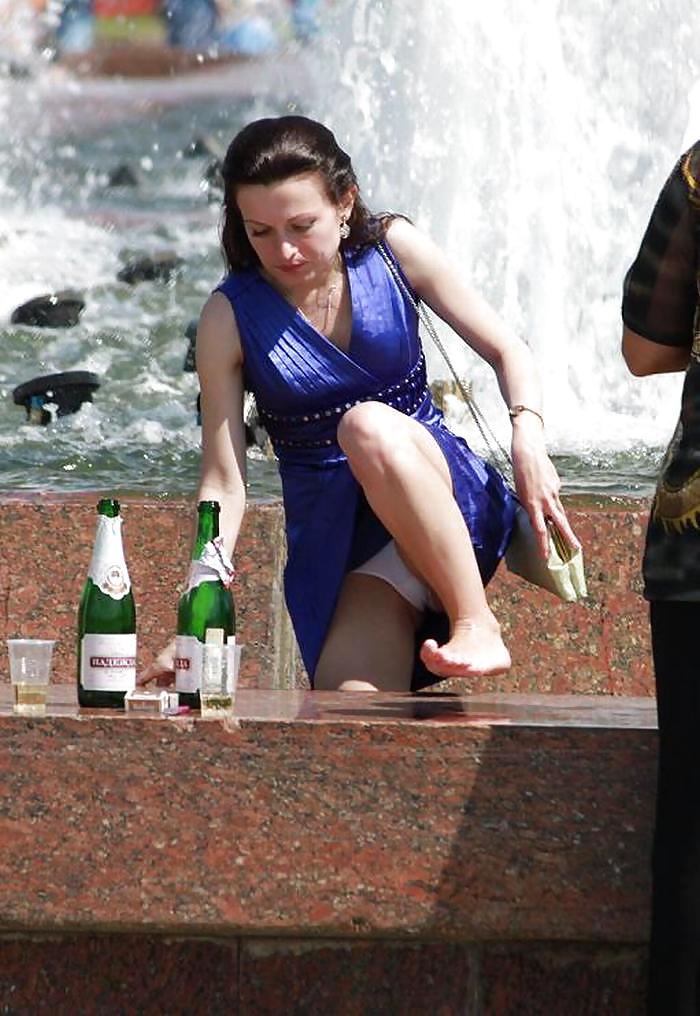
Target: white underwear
387,564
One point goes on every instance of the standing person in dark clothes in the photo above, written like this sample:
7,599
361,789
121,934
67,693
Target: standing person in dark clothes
662,334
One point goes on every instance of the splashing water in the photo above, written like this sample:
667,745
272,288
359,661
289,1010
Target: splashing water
530,142
63,226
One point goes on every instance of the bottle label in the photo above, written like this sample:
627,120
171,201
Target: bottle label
188,663
108,567
212,566
108,662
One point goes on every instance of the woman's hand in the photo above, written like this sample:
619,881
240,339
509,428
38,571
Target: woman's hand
162,669
537,483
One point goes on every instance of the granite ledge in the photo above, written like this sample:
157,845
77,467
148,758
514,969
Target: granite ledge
325,815
599,646
302,706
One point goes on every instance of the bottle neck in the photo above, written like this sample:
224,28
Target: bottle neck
108,507
108,569
207,526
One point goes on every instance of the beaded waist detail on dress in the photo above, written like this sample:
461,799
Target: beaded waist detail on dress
317,427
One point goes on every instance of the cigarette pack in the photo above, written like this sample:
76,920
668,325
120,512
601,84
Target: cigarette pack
145,701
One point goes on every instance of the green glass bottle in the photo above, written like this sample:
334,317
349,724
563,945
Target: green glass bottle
107,618
206,603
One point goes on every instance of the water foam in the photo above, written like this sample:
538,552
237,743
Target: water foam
531,142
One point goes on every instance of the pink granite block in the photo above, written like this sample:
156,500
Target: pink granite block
598,646
118,974
333,815
47,544
530,979
318,978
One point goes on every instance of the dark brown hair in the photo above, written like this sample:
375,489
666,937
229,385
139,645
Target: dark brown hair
270,150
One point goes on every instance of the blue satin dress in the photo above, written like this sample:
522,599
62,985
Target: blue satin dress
303,383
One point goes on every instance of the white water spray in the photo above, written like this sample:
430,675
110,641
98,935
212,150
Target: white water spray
531,141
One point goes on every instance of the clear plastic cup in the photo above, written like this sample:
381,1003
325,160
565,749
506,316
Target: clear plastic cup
220,667
30,674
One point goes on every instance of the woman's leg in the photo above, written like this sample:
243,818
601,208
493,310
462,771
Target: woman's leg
674,956
369,646
407,483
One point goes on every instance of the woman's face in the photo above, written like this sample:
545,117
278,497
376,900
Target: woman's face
293,227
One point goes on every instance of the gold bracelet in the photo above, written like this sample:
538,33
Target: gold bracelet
514,411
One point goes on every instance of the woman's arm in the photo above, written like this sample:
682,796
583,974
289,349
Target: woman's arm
220,367
219,359
644,357
442,287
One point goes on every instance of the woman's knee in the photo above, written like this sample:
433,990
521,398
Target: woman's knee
373,435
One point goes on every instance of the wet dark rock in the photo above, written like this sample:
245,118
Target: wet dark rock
123,176
67,391
255,433
161,267
53,310
190,363
203,146
10,68
213,176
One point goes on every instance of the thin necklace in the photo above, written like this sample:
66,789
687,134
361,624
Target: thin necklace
325,302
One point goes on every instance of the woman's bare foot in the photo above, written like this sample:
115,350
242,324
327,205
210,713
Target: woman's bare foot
474,649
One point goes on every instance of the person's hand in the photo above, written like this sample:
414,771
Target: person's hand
162,669
537,482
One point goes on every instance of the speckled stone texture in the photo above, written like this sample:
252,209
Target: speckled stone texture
348,854
116,975
569,980
47,543
348,815
600,646
356,979
149,975
326,852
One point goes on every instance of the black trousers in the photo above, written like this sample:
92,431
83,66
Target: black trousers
674,956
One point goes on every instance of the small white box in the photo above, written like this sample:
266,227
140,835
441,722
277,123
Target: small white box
141,700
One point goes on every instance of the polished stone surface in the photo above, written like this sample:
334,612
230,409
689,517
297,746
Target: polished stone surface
357,979
118,975
153,975
332,815
47,543
600,646
300,705
317,852
532,979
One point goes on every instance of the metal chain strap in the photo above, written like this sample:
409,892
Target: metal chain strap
499,456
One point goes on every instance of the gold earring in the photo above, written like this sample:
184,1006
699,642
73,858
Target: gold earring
344,229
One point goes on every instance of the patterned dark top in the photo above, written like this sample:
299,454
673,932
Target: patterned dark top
661,304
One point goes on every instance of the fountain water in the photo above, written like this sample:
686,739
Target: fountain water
529,141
